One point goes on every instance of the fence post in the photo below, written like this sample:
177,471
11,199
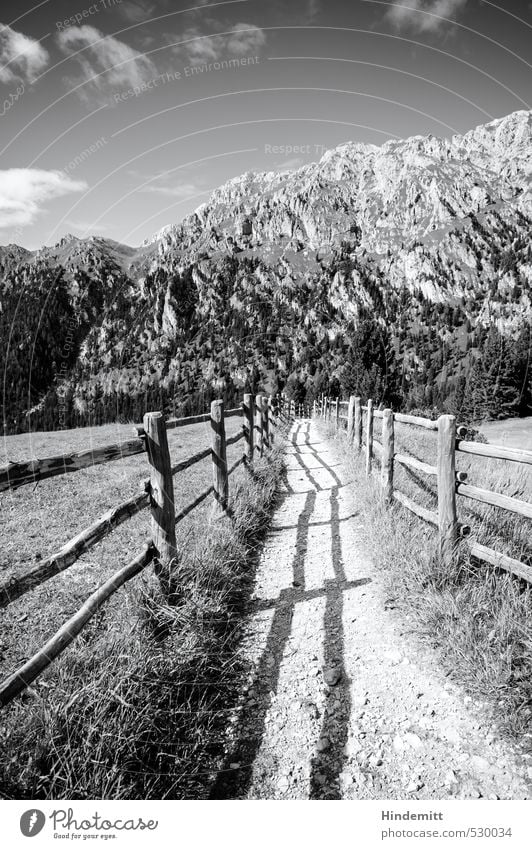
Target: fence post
271,422
248,427
358,424
219,457
447,516
387,455
337,414
161,496
350,418
266,422
369,438
259,436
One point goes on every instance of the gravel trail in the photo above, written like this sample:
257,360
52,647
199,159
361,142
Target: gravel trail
342,703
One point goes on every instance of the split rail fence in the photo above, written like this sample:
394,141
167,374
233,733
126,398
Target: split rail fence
261,416
451,484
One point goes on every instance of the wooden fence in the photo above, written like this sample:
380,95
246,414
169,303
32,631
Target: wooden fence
261,417
451,484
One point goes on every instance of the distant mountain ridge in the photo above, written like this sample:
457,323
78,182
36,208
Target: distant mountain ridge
415,231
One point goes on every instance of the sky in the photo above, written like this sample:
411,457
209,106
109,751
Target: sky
119,117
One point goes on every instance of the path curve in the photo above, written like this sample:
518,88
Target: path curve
341,703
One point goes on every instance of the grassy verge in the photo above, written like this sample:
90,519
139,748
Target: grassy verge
139,705
478,617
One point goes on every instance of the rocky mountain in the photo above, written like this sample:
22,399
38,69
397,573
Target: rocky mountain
388,270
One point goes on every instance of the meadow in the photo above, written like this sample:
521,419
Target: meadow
137,706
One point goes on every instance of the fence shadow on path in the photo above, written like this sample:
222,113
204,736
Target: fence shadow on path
236,776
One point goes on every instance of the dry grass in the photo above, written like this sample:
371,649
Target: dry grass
477,616
138,705
38,520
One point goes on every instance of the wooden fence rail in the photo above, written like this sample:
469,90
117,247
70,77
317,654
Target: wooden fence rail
23,677
451,483
157,493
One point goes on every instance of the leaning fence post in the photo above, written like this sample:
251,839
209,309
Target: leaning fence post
350,418
387,455
248,426
358,424
219,457
161,496
369,438
447,516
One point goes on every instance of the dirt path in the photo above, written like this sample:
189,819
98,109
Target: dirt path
341,703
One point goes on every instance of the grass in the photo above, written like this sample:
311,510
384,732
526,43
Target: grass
138,706
38,520
477,617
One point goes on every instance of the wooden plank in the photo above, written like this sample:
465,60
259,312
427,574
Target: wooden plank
190,507
234,439
26,674
502,561
495,499
337,414
358,425
236,412
161,498
369,437
190,461
72,550
219,458
249,415
427,515
271,422
351,419
418,465
259,436
265,412
235,466
19,474
447,516
378,414
387,455
428,424
496,452
171,424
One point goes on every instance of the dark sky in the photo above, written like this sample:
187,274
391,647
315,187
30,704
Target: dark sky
121,117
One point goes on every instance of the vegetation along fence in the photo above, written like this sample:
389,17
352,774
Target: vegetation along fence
451,484
260,414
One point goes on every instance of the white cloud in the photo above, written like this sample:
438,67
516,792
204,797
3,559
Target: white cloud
409,13
183,190
118,66
24,192
247,40
21,57
242,40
